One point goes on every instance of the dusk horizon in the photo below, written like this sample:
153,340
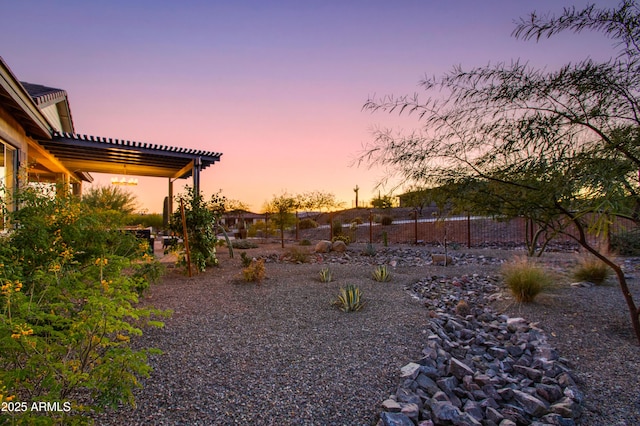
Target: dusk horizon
277,89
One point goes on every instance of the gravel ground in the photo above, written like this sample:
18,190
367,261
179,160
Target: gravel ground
591,327
279,353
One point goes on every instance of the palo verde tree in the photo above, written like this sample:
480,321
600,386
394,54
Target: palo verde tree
561,147
282,207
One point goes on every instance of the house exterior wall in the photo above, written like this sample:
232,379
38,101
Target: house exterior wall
12,133
13,153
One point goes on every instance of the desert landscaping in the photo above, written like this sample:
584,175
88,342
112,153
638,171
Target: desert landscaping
278,351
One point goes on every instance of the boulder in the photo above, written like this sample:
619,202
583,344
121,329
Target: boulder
323,246
339,246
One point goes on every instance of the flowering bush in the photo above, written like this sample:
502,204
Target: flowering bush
68,310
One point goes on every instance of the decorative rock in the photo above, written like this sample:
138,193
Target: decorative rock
483,368
427,384
395,419
444,411
439,259
557,420
411,410
517,324
459,369
494,415
339,246
473,409
323,246
582,284
410,370
549,392
531,405
391,406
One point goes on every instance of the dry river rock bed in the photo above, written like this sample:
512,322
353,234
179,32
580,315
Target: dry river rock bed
280,353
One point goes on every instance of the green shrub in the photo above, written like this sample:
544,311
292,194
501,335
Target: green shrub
153,220
255,272
308,224
245,259
381,273
337,228
349,299
260,229
297,255
525,280
386,220
591,269
305,242
69,309
356,220
326,275
626,242
344,238
243,244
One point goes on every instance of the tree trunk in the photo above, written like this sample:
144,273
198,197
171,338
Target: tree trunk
624,287
622,280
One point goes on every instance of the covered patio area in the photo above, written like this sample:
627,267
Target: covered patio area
82,154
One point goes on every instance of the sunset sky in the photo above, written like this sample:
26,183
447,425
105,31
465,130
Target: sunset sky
276,86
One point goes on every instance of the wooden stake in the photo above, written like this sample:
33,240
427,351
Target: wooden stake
185,235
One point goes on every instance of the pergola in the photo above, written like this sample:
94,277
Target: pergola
82,154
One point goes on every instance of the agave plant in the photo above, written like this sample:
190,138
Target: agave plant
349,299
370,250
326,275
381,273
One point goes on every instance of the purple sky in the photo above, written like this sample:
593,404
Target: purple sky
276,86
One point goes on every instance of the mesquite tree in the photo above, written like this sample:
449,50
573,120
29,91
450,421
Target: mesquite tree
561,147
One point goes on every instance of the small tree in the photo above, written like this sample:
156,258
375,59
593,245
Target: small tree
561,147
318,201
382,202
202,223
282,207
110,198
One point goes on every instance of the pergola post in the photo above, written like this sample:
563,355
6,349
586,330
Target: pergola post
170,203
197,166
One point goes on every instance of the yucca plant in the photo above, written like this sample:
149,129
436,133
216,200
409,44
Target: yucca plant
381,273
349,299
525,279
326,275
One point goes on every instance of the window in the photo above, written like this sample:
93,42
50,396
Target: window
8,174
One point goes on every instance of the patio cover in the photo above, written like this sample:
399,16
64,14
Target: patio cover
82,153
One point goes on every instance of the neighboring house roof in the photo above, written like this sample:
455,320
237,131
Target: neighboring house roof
104,155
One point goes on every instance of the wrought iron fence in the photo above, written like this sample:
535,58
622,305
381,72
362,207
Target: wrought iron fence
466,231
